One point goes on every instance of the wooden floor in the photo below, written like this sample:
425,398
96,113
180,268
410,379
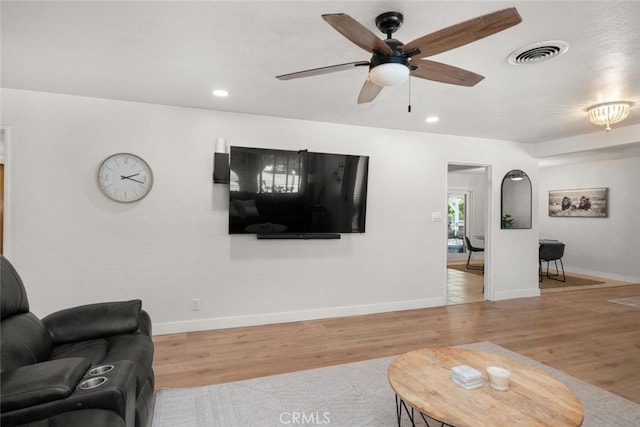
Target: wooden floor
463,288
576,331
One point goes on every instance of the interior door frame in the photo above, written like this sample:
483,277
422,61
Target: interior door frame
6,203
488,230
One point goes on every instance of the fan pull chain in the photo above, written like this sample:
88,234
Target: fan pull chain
409,106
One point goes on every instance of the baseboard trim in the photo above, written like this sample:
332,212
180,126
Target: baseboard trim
163,328
518,293
602,274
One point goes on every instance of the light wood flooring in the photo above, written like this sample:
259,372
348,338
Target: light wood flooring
464,287
578,332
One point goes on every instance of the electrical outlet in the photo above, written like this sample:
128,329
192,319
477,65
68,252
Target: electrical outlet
195,304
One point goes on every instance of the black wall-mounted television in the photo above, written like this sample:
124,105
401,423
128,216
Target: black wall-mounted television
281,193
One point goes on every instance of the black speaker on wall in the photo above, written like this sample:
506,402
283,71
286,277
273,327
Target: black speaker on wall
221,168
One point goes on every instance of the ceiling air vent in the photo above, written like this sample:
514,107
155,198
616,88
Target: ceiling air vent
538,52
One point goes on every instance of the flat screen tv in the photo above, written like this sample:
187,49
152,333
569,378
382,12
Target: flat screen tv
281,192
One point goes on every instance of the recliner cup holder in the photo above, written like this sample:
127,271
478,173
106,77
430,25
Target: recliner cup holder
99,370
92,383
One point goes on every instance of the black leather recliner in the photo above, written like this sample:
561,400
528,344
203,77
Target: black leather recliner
87,362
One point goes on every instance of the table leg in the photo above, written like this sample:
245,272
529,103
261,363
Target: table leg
401,404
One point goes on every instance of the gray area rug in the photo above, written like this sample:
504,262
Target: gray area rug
349,395
631,301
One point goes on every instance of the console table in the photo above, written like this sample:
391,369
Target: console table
421,380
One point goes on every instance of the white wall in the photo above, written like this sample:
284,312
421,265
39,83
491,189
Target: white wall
604,247
72,245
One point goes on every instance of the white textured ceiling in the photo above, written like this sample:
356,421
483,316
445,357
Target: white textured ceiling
176,53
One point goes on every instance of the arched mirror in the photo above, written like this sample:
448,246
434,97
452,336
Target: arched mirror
516,200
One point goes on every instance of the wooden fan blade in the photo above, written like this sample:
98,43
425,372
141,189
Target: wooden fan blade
443,73
322,70
368,92
463,33
357,33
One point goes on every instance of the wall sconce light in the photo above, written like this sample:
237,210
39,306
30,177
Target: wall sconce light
221,162
516,175
609,113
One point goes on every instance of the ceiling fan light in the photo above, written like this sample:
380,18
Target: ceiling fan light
389,74
609,113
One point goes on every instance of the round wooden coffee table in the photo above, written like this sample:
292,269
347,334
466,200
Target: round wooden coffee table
421,379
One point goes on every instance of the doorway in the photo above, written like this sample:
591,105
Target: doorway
468,205
4,188
2,156
457,207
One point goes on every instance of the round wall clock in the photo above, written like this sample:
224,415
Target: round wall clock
125,177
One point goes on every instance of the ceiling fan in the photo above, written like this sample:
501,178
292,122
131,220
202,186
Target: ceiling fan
393,61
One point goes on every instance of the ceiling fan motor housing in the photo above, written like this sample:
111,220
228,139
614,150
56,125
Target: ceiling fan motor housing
397,57
394,67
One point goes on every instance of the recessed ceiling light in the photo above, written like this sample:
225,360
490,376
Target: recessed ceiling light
431,119
220,93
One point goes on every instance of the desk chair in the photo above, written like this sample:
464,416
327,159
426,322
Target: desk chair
551,252
471,249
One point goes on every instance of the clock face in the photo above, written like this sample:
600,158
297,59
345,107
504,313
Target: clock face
125,177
